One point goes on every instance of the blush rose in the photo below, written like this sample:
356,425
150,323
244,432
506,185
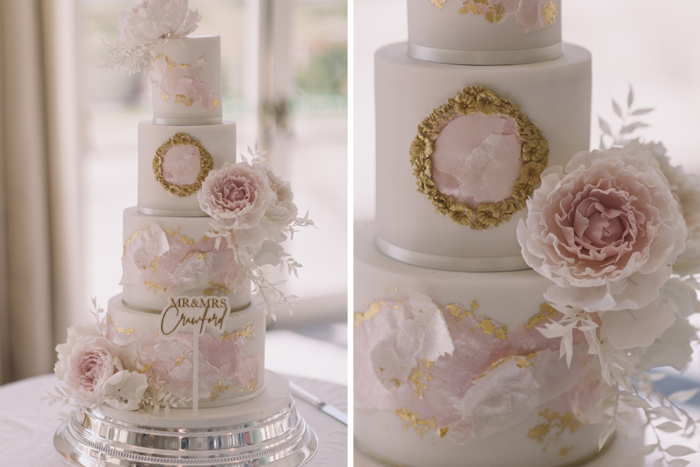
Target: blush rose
606,231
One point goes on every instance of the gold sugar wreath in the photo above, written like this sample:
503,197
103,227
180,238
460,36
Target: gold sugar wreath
206,163
534,152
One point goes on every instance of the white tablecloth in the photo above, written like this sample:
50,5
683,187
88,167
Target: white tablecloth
28,424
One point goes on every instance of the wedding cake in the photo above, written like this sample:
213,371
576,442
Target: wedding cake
183,346
513,286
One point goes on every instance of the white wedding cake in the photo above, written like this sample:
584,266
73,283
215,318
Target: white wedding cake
188,330
464,356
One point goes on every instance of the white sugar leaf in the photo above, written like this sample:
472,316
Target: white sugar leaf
617,109
658,462
604,127
648,449
684,396
621,430
640,112
665,412
656,376
678,450
626,416
633,126
609,430
678,462
630,97
668,427
636,402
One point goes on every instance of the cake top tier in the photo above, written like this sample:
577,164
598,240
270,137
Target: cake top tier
186,76
484,32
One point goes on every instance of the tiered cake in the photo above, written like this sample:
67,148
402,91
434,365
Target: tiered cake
449,365
173,373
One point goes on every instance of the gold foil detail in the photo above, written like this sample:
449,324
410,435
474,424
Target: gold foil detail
459,314
206,164
156,264
555,423
129,240
443,431
493,13
549,13
164,96
244,332
179,360
183,99
546,313
565,451
153,287
218,390
145,368
120,329
488,327
214,103
216,289
534,154
411,418
520,362
372,311
438,3
421,376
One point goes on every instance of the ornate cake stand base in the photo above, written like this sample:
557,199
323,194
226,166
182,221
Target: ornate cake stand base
266,430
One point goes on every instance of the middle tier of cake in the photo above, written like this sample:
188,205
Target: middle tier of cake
461,148
168,256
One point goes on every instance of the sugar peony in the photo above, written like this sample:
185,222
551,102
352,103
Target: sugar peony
85,363
606,231
282,211
236,195
125,389
150,20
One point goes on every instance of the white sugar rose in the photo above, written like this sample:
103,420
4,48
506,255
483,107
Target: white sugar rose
282,211
150,20
236,195
685,187
606,231
125,390
86,362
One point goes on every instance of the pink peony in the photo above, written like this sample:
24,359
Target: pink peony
85,363
606,231
236,195
153,19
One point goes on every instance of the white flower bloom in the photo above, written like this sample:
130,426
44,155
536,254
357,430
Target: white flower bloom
282,211
125,390
150,20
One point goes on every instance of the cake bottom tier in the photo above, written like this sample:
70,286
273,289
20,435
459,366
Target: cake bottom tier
231,362
450,367
264,430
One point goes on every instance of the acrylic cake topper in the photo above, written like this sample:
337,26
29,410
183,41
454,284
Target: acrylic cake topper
478,158
194,315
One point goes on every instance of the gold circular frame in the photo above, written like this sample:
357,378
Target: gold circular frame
534,154
206,163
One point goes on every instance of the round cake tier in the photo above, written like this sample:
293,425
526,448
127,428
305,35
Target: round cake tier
175,160
550,101
167,256
510,298
384,436
186,80
231,363
449,366
484,33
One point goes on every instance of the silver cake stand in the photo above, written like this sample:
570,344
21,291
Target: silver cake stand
267,430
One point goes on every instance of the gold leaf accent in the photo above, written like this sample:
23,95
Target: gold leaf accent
145,368
534,155
184,65
520,362
443,431
554,421
411,418
206,164
164,96
180,359
372,311
216,289
120,329
153,287
488,327
218,390
438,3
546,313
565,451
493,13
456,311
549,13
244,332
421,375
214,103
156,264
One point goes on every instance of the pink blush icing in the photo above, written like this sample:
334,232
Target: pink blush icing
477,159
181,165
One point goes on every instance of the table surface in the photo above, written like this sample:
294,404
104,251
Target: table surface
28,424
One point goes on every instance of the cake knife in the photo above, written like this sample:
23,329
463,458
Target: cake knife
303,394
